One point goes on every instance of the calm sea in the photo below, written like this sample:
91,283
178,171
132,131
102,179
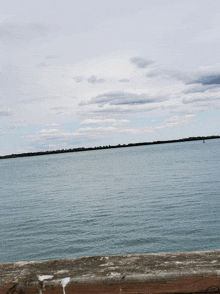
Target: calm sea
147,199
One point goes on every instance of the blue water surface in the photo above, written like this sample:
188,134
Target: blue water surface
146,199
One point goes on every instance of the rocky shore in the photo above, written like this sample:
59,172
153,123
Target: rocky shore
186,272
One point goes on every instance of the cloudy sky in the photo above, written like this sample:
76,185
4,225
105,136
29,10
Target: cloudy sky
98,72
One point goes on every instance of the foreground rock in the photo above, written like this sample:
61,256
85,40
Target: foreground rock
188,272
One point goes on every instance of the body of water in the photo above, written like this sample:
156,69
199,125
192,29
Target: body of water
146,199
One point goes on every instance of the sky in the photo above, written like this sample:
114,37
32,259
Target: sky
91,73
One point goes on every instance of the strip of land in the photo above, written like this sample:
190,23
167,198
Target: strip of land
80,149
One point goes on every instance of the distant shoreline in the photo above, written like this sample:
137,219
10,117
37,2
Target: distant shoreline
80,149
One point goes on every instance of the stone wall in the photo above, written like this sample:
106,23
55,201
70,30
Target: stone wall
186,272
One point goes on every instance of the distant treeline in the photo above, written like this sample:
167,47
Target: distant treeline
107,147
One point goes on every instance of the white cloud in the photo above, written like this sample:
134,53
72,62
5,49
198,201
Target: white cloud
12,33
112,121
78,79
124,81
141,62
176,121
93,79
17,125
125,98
51,125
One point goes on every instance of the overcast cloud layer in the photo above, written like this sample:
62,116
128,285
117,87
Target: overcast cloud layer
91,73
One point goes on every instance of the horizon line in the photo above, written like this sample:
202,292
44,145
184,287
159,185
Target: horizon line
80,149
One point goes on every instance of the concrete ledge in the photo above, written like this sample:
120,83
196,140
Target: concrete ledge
194,271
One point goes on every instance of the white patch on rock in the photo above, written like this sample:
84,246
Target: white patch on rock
64,282
62,271
42,278
115,274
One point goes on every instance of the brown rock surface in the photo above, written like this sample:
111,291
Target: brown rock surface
186,272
